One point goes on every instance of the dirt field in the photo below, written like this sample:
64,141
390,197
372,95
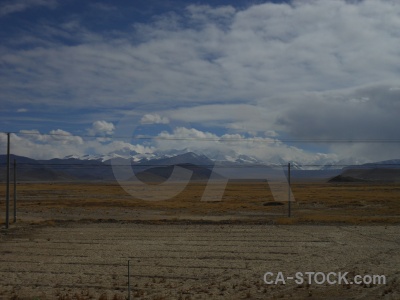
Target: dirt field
194,261
74,240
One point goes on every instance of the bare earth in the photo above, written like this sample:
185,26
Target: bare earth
74,241
82,260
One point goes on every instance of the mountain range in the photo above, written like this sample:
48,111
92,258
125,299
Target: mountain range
158,168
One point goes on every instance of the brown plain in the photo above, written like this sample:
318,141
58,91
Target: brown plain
355,203
73,241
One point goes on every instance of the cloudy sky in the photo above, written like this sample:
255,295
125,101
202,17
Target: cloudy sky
303,80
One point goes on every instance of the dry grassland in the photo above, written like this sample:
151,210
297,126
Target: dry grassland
246,201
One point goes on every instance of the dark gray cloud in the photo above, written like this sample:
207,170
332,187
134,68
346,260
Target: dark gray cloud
368,113
366,117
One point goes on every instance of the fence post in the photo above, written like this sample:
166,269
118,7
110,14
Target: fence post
289,200
8,183
129,281
15,191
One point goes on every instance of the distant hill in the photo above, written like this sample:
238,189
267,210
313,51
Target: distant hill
161,174
385,171
186,158
19,159
56,169
159,169
73,169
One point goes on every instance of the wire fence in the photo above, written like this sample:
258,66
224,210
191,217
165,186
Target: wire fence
244,188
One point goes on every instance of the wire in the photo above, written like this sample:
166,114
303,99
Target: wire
222,139
39,165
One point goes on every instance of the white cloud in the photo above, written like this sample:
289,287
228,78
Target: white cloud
31,131
187,133
59,143
201,14
56,144
21,5
153,119
101,128
64,137
267,50
124,148
57,136
271,133
244,118
264,148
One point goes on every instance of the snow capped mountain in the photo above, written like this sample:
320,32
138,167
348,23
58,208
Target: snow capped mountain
98,167
182,156
178,157
107,157
211,157
186,158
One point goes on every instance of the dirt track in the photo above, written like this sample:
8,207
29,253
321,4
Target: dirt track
194,261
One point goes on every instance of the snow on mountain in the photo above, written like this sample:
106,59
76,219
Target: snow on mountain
182,154
107,157
97,167
210,157
189,157
75,157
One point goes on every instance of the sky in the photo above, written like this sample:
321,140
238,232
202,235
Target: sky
303,80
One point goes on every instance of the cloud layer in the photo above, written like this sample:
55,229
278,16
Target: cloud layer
10,7
312,70
59,143
208,54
